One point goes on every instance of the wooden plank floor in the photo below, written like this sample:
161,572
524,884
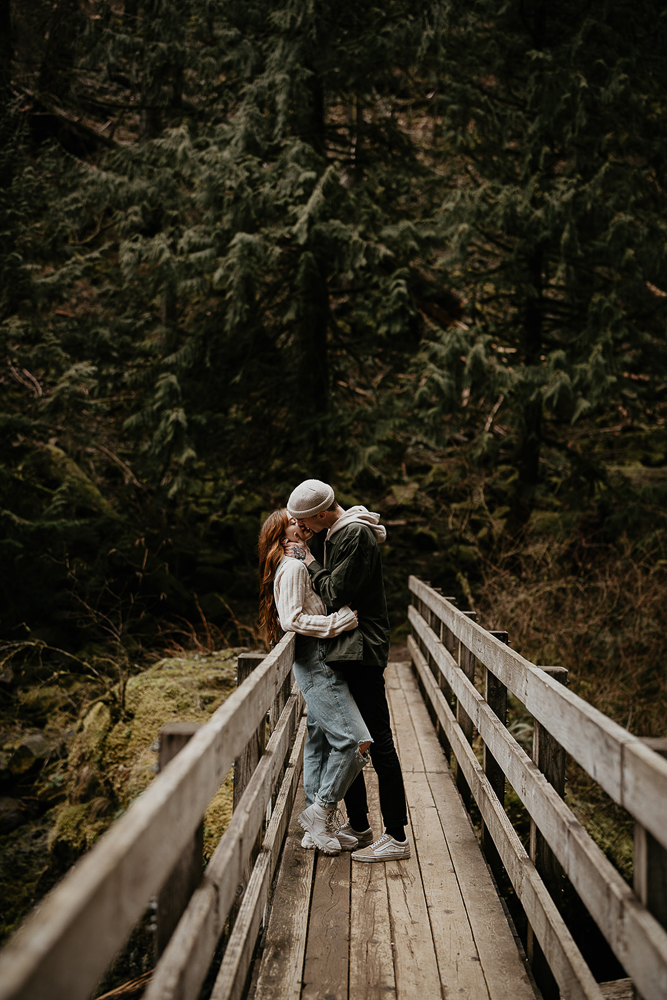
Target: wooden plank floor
429,927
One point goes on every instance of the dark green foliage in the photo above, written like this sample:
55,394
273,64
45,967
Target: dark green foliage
395,245
557,225
212,291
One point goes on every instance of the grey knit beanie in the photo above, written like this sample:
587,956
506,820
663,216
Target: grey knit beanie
310,498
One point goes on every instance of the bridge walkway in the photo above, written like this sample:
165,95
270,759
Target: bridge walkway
433,926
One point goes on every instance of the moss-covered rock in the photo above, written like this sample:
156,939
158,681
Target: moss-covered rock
75,830
91,775
28,752
111,761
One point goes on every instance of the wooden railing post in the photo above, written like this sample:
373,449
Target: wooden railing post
450,642
549,756
495,693
650,860
467,665
445,636
187,872
421,608
245,763
244,767
275,711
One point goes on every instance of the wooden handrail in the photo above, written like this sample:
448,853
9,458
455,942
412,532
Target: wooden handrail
632,774
573,975
186,960
62,949
637,938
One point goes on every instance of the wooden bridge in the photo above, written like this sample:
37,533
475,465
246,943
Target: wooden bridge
269,920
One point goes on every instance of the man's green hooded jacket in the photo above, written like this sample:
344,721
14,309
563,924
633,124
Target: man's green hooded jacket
352,575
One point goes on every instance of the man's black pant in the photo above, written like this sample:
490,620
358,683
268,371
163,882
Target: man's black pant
366,682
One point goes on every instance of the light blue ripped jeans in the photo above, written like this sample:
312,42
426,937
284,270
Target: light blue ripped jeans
331,758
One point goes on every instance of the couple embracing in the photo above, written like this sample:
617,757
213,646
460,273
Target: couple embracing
338,611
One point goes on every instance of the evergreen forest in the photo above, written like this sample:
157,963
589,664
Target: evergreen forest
416,249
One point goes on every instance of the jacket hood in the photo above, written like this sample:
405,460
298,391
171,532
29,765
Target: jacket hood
360,515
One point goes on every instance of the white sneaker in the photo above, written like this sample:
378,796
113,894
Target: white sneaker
317,820
307,841
346,840
384,849
363,837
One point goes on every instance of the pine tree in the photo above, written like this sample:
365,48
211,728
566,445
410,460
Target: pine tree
220,290
559,229
294,209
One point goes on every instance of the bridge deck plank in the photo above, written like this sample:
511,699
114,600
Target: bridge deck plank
281,969
429,927
496,948
326,967
458,955
371,953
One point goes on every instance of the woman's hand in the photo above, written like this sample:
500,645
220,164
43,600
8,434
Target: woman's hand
351,627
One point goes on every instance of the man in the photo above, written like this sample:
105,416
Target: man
352,575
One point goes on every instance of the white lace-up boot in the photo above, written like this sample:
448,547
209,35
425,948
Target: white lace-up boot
348,838
317,821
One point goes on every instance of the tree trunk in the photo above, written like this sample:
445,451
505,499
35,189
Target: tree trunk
178,82
314,132
55,74
311,396
532,415
528,457
150,118
530,443
169,316
6,53
356,125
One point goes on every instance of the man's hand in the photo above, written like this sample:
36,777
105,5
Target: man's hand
298,551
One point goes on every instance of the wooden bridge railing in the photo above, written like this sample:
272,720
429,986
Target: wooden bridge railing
446,646
63,949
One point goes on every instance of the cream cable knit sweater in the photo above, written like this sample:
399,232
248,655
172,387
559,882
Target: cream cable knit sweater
300,609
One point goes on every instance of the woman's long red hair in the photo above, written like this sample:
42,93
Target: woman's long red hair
270,553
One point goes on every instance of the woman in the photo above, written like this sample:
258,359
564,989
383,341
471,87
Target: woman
338,740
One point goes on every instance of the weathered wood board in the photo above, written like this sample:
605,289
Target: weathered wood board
231,978
183,967
477,951
371,948
630,772
458,958
636,937
326,965
567,964
281,965
52,957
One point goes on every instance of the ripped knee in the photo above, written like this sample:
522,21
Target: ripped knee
364,747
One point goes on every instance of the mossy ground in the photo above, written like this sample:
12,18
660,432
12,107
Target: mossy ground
110,759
